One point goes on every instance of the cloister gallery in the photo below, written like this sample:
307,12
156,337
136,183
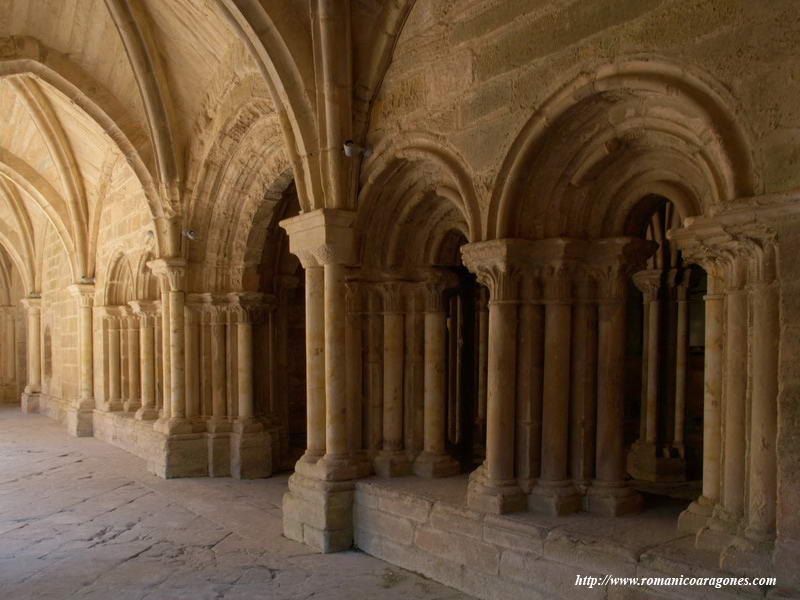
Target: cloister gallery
509,287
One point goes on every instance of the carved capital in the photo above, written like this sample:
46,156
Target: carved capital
33,305
649,283
354,297
84,292
392,293
324,236
245,307
171,271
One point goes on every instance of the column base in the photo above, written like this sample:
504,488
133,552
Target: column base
174,426
183,455
435,465
80,421
615,499
718,532
493,497
556,498
785,558
30,402
392,463
112,406
751,557
146,413
218,439
131,406
251,456
696,515
319,513
645,463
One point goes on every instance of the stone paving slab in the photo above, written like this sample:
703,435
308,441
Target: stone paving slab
82,519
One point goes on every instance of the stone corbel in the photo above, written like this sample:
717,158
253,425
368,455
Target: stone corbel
32,304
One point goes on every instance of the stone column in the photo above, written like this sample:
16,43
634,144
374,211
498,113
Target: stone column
133,401
584,387
318,508
483,345
752,551
694,517
493,486
610,494
353,344
392,460
374,358
79,416
720,529
554,493
250,451
434,461
172,272
33,387
530,361
114,364
218,426
681,358
146,313
164,346
192,324
315,363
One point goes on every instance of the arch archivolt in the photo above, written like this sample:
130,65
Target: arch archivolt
602,132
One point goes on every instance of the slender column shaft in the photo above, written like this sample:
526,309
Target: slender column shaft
375,373
713,391
315,361
147,358
165,352
114,383
177,356
244,335
763,418
483,346
584,387
735,399
134,391
335,361
610,456
501,392
193,358
218,371
353,344
85,339
682,343
435,332
34,351
555,423
393,381
653,316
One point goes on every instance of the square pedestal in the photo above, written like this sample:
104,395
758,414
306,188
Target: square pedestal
319,513
435,465
613,500
183,455
251,453
556,498
392,463
484,496
80,421
30,402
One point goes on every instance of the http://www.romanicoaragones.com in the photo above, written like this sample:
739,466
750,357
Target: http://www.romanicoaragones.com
592,581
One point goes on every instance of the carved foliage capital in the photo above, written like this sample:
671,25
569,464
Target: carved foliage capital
171,271
84,292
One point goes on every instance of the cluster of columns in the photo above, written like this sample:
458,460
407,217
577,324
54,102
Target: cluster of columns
653,458
556,326
9,386
737,510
